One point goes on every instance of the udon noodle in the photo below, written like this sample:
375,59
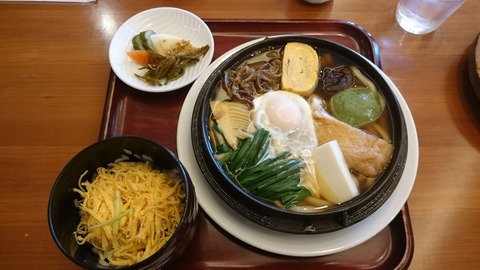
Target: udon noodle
257,84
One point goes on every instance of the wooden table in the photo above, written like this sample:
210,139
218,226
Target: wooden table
54,72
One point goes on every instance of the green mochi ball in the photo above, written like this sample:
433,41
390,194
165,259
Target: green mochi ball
356,106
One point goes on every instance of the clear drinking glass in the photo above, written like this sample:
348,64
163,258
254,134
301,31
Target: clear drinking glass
425,16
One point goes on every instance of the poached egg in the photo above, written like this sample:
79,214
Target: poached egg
288,118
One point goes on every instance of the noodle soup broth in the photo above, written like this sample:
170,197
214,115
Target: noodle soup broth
255,72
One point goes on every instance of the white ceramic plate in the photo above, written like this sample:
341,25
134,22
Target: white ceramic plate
285,243
165,20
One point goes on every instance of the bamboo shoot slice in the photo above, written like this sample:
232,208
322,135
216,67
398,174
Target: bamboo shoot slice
233,118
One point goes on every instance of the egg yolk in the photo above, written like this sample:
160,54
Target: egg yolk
283,113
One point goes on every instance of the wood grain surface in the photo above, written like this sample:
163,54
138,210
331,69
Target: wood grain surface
54,72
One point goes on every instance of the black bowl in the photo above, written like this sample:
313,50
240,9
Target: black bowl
265,214
63,215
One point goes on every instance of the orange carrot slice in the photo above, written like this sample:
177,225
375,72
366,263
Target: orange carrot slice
140,57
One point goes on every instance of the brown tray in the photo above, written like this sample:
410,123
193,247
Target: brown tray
155,116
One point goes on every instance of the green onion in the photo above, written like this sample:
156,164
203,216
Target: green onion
271,178
106,222
291,200
118,203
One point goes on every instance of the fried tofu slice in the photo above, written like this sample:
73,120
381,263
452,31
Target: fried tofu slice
364,153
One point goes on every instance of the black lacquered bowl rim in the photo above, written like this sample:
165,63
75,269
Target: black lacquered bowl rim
186,226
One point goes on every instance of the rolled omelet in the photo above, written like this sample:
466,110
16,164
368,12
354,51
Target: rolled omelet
300,68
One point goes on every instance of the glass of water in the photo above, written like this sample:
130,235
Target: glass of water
425,16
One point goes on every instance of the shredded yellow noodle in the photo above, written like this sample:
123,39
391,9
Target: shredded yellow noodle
129,211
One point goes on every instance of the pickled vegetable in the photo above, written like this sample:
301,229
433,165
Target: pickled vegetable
162,69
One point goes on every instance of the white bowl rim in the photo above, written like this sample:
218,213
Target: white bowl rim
131,25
